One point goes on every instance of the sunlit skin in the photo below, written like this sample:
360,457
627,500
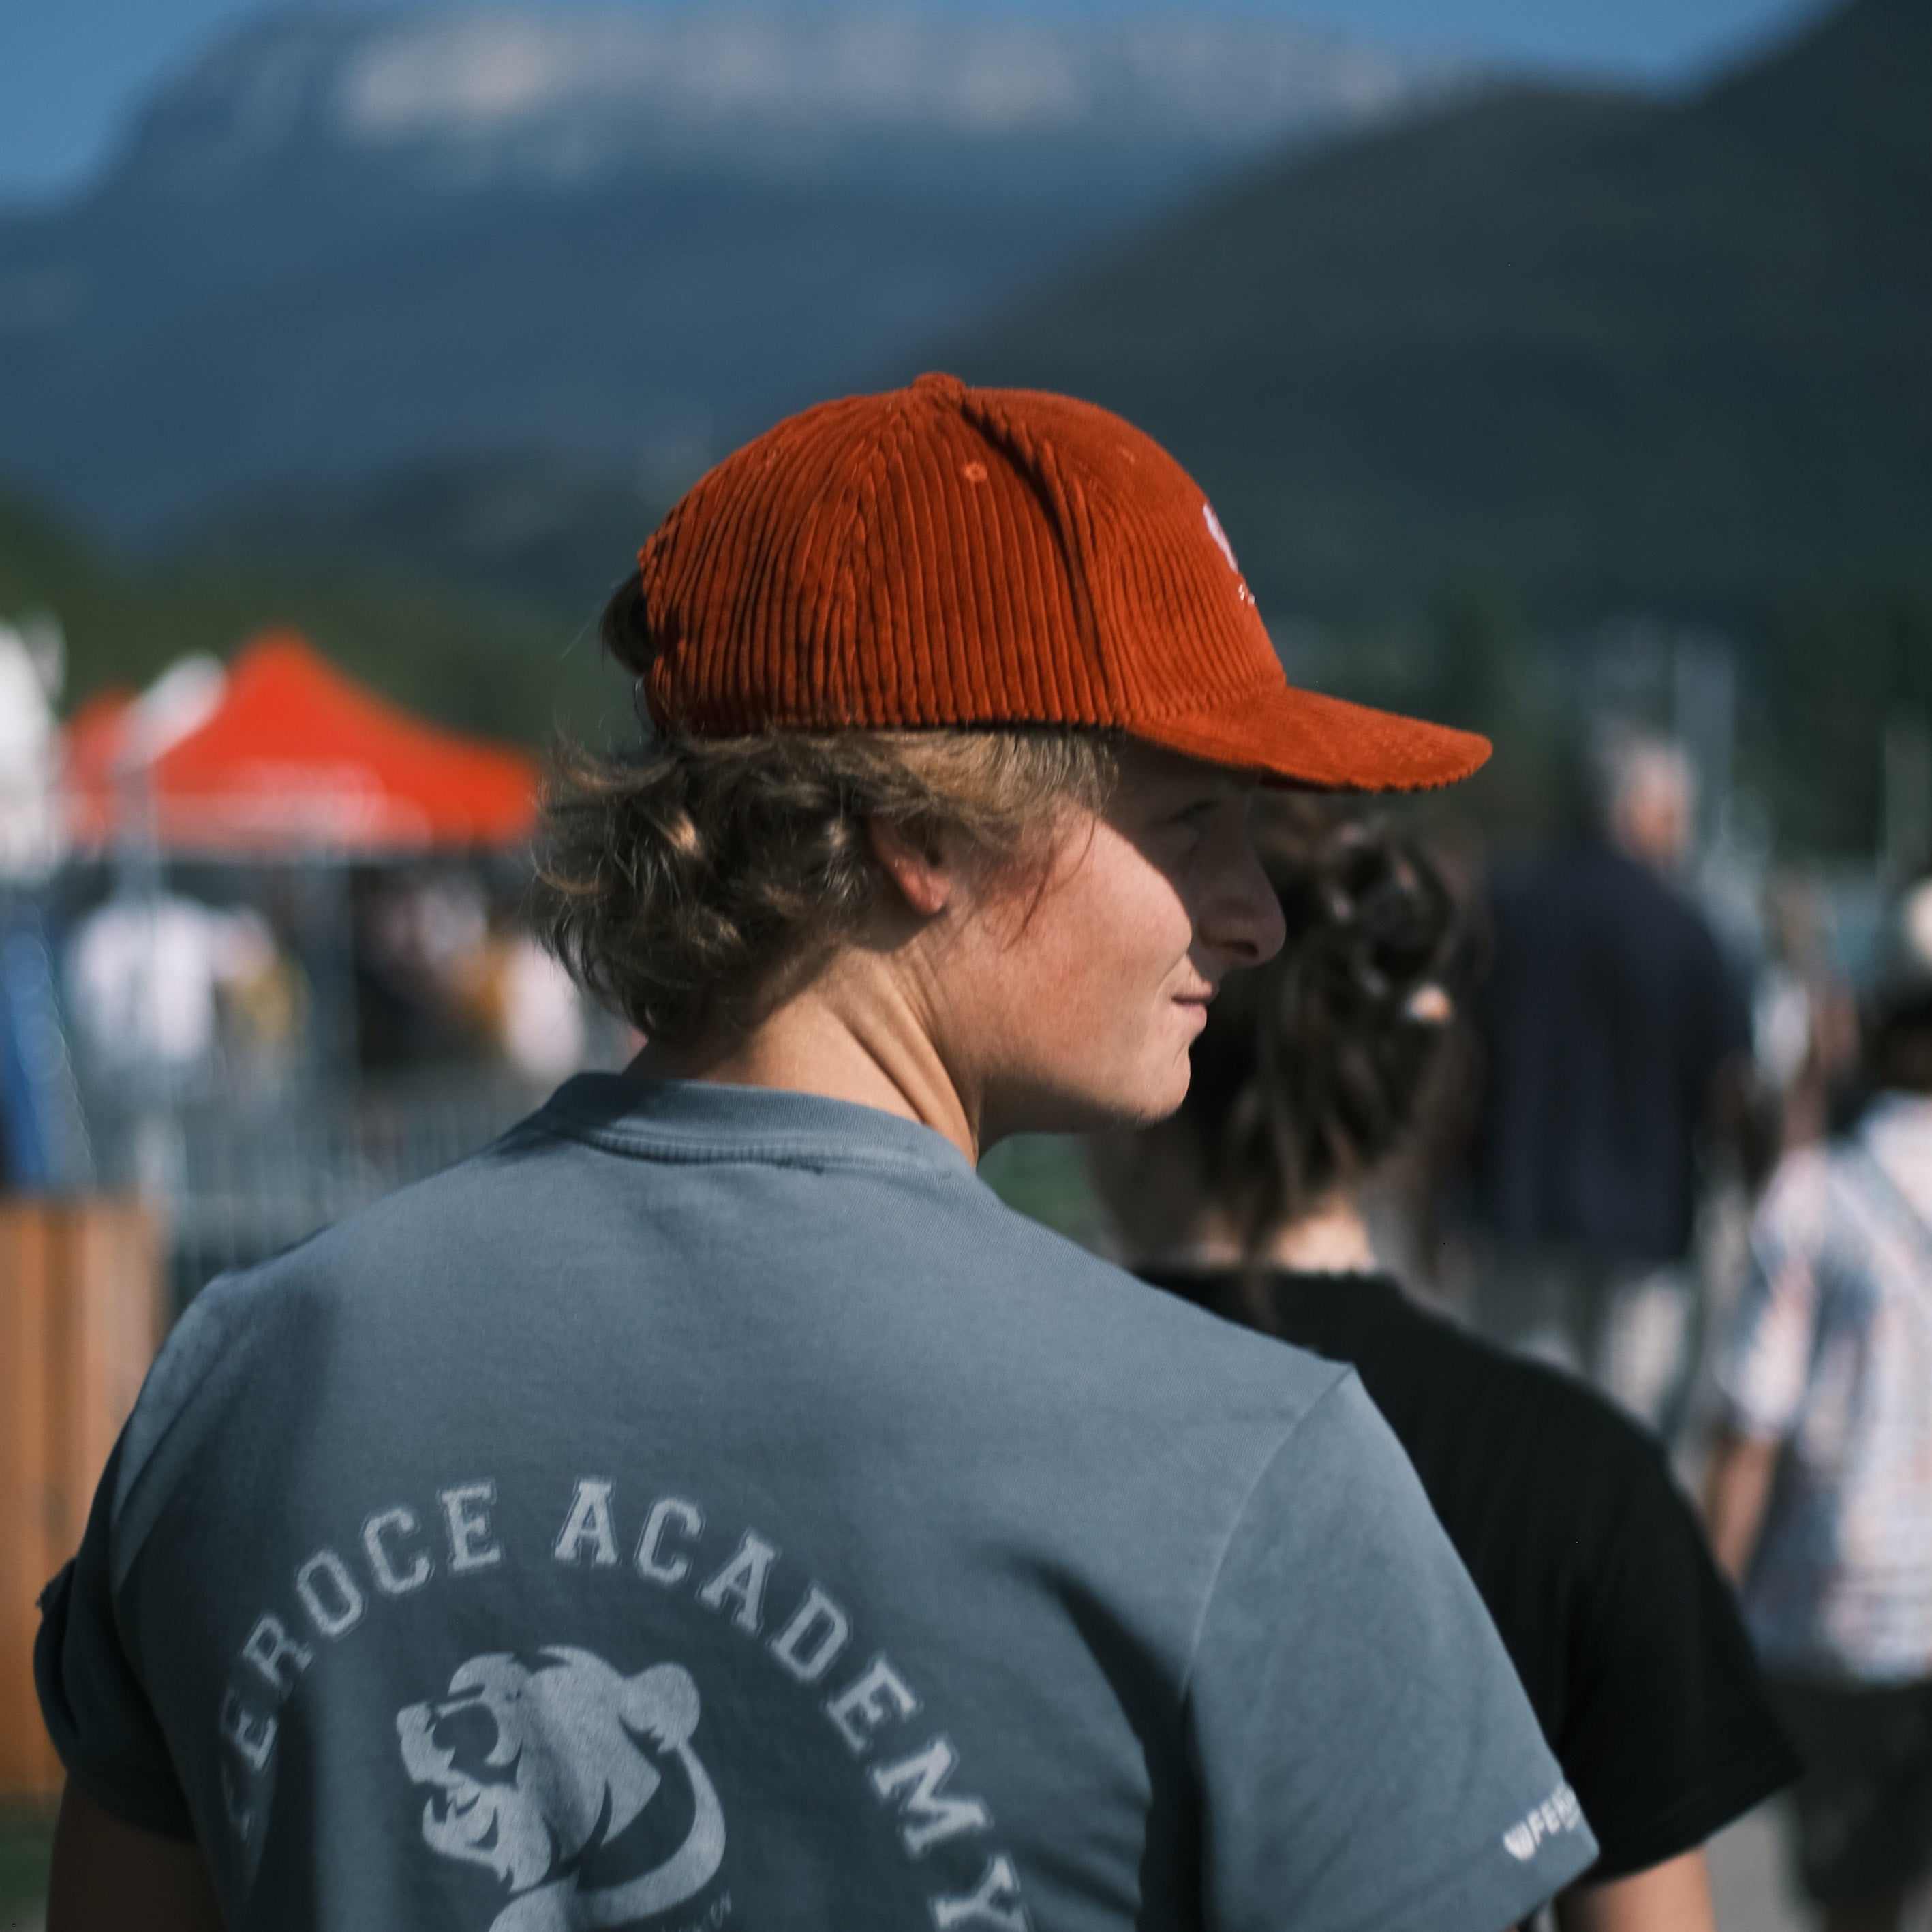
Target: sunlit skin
1673,1897
1651,816
1057,991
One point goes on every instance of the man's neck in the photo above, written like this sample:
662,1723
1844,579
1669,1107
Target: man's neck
839,1041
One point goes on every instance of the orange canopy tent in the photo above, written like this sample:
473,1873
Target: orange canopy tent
294,758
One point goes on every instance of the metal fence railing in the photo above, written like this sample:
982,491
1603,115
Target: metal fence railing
237,1182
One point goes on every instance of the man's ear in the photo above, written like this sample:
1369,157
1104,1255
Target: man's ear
917,866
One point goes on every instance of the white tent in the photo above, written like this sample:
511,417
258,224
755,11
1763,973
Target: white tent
31,825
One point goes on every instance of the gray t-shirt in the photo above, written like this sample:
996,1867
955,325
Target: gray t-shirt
710,1507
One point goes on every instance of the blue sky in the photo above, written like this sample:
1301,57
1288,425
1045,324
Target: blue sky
71,71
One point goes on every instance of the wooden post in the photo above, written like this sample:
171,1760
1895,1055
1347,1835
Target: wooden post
81,1285
28,1767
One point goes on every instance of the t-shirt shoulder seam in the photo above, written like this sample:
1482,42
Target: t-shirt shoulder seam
1344,1373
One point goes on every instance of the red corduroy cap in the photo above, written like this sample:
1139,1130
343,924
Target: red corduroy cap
942,555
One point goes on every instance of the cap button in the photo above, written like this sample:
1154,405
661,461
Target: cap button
937,387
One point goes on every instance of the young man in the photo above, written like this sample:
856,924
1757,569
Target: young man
708,1506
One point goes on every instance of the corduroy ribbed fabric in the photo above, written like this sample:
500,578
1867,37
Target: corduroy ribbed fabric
940,555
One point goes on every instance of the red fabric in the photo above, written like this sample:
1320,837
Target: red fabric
90,743
942,555
298,758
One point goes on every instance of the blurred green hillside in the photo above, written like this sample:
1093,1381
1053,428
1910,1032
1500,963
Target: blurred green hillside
26,1850
1819,678
545,531
411,591
480,662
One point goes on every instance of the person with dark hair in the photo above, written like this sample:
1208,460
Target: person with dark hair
1819,1493
1311,1073
710,1507
1614,1036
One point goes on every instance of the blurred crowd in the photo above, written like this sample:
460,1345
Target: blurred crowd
240,986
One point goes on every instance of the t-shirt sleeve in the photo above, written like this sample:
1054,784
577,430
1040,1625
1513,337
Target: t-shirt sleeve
1669,1735
96,1710
1366,1755
1765,1360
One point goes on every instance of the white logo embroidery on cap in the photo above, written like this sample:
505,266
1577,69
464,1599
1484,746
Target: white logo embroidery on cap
1226,549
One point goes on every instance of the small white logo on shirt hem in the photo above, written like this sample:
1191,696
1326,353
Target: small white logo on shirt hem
1557,1812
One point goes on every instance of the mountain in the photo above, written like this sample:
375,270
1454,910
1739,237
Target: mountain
346,243
1593,349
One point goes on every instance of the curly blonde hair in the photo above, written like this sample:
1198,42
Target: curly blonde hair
684,880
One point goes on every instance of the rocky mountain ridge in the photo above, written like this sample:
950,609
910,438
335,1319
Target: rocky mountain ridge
474,95
345,245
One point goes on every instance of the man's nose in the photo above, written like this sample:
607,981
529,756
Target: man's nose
1241,917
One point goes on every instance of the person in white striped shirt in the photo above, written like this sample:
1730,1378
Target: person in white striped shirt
1819,1496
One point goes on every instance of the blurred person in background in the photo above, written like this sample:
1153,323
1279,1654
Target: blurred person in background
443,973
1805,1027
1613,1035
522,1001
1313,1073
1819,1495
420,940
148,975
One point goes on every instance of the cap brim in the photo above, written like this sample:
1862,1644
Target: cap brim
1302,738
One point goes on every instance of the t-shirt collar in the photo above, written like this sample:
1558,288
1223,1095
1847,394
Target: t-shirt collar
705,1119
